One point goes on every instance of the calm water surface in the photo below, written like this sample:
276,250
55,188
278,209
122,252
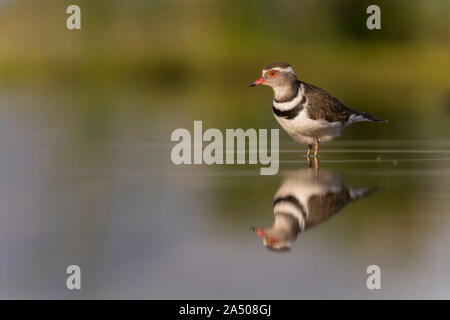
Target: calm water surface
98,190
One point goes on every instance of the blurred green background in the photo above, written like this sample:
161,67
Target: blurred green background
204,53
85,170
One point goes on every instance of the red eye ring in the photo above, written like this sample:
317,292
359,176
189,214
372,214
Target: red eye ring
272,73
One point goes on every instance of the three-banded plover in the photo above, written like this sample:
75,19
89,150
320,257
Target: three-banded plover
304,200
308,113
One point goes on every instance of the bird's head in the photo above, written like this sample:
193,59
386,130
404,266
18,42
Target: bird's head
273,241
280,76
276,74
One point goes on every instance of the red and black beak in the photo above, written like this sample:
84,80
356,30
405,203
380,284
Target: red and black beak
259,232
257,82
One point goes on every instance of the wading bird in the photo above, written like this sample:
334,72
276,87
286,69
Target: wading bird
308,113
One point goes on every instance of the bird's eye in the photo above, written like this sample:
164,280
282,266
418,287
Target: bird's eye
272,241
272,73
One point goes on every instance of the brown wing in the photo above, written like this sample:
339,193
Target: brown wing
322,207
322,105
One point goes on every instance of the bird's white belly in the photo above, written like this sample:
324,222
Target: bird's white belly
304,184
305,130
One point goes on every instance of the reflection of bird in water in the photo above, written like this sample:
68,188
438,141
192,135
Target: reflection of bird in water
306,198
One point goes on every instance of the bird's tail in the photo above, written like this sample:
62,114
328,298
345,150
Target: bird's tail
365,117
360,193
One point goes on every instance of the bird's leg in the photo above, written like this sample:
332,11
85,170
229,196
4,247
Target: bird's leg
308,154
308,160
316,147
316,166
